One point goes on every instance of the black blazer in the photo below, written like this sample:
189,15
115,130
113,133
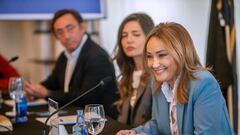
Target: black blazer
92,66
142,110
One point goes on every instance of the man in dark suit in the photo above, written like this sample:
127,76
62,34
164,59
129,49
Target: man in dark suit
81,66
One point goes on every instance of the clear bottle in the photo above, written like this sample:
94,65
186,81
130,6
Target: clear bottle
21,107
80,128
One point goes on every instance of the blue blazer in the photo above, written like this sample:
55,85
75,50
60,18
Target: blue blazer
204,114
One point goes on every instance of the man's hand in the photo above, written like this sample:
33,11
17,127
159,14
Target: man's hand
36,90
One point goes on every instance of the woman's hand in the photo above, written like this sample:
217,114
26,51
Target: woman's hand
126,132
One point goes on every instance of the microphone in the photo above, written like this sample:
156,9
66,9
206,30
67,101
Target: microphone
9,61
13,59
103,82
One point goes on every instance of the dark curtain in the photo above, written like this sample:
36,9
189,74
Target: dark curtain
221,50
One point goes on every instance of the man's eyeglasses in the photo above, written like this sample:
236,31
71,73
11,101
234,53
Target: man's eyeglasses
68,29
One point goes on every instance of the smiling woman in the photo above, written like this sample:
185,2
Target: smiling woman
185,91
162,64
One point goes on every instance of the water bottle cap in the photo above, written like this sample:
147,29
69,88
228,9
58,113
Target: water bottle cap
80,112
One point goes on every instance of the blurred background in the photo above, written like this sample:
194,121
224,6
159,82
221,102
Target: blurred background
31,40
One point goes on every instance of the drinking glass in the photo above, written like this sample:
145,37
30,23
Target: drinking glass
95,118
15,85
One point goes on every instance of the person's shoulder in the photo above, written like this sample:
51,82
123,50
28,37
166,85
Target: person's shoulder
1,57
61,56
202,75
60,59
203,80
95,50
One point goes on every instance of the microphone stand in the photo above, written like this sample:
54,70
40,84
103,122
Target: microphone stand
101,83
9,61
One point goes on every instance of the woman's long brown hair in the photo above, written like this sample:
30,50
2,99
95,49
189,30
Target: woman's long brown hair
125,63
180,45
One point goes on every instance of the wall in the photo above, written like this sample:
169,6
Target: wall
18,38
193,14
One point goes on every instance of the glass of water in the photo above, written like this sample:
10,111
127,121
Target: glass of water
95,118
15,85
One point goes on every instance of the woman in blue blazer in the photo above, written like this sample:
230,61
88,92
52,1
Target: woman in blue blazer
187,99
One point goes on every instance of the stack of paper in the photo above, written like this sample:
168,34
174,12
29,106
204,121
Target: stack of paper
36,102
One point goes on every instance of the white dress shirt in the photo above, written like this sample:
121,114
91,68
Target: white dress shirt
71,63
135,84
171,98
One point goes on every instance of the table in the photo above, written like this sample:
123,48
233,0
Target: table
35,127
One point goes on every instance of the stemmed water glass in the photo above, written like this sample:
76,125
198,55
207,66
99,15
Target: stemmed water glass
15,85
95,118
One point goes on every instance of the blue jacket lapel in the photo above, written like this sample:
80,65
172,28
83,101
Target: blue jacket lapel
180,111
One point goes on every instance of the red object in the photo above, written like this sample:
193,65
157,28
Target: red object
6,71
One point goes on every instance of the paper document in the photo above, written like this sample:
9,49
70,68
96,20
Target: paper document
63,120
36,102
